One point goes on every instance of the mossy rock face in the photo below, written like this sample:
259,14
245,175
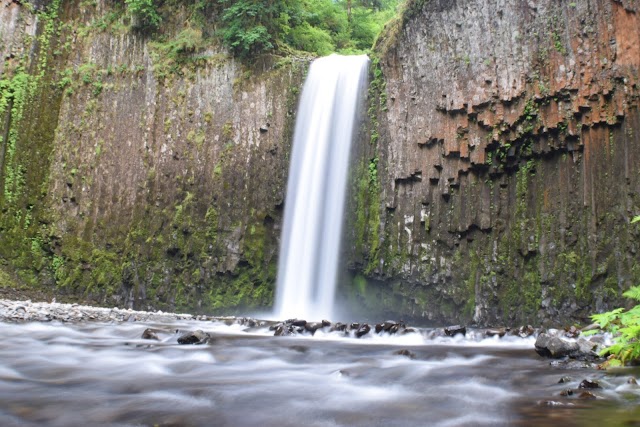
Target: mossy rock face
139,174
499,203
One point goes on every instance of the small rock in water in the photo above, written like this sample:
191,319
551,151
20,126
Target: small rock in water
572,332
409,331
149,334
632,381
363,330
587,395
195,337
405,352
565,380
325,323
525,331
500,332
297,322
354,326
338,327
452,331
567,392
589,384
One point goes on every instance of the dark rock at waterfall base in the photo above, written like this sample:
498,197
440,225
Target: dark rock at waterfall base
325,323
149,334
283,330
454,330
313,327
341,327
409,331
405,352
195,337
354,326
589,384
500,332
296,322
363,330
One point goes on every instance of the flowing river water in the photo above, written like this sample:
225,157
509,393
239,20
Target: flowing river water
105,374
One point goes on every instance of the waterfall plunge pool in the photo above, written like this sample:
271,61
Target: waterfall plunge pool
104,374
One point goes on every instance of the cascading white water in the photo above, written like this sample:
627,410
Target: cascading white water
317,185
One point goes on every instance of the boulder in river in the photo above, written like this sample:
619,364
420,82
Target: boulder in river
454,330
405,352
313,327
363,330
589,384
195,337
150,334
554,346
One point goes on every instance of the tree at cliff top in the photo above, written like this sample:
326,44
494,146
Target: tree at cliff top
251,27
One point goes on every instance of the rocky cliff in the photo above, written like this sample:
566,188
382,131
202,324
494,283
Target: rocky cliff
503,164
140,171
495,181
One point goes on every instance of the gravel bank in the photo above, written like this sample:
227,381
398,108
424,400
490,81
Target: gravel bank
45,312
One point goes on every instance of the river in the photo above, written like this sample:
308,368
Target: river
104,374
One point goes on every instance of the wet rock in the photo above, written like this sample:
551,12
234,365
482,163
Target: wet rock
363,330
409,331
455,330
587,395
567,392
554,347
283,330
554,403
572,332
378,328
325,323
589,384
313,327
297,322
341,327
195,337
632,381
354,326
149,334
565,380
405,352
525,331
500,332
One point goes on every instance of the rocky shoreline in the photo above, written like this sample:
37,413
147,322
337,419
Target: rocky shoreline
11,310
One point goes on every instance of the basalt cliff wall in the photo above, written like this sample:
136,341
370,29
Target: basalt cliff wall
495,180
502,166
140,171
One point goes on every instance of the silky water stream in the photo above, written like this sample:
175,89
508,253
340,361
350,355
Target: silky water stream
99,374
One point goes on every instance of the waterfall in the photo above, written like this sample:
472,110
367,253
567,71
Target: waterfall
312,231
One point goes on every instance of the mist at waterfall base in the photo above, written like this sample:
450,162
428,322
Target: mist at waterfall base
312,230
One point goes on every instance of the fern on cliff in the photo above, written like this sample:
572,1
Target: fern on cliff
625,326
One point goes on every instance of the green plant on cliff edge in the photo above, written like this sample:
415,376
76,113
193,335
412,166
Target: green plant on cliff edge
625,326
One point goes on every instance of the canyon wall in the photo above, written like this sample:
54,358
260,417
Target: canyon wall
502,166
494,182
140,171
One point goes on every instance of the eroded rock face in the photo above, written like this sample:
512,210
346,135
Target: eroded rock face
155,186
505,146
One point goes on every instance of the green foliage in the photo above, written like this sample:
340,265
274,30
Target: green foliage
625,325
145,13
635,219
253,27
